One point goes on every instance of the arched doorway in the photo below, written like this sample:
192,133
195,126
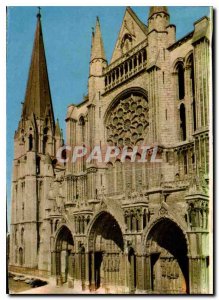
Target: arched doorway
167,249
106,253
64,253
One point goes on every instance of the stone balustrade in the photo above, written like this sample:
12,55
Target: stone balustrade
127,66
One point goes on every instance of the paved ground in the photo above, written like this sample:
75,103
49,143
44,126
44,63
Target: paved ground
17,286
51,289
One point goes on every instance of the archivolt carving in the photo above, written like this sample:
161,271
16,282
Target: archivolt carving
128,121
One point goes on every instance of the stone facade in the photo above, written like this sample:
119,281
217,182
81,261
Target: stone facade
120,227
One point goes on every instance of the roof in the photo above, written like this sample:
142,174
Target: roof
38,97
97,50
137,20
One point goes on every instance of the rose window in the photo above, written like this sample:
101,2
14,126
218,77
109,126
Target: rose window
127,123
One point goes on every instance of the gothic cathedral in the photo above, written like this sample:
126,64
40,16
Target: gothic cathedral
120,227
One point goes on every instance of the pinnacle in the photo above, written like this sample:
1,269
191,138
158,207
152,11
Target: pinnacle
97,50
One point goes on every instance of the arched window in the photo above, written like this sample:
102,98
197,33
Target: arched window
121,70
192,88
21,257
130,65
144,218
126,42
82,136
183,122
113,76
22,235
135,61
126,67
140,59
38,165
181,83
30,142
23,211
45,130
144,55
117,73
82,124
45,139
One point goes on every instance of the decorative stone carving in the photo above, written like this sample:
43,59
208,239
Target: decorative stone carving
163,209
198,214
128,121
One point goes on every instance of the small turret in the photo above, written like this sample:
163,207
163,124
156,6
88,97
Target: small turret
58,136
158,18
98,62
98,57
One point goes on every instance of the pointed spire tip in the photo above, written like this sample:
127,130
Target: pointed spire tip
39,14
97,43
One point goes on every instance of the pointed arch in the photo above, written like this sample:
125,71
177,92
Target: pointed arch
64,247
166,245
181,81
123,94
63,235
106,247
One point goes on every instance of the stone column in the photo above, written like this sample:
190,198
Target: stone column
126,271
198,275
77,277
139,273
58,269
53,263
70,271
147,272
83,269
87,281
92,286
129,221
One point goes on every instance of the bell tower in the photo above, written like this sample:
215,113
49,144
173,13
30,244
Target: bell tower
35,139
161,34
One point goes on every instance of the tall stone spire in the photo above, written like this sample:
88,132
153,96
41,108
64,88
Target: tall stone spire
97,50
38,97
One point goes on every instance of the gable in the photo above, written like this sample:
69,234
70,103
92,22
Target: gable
132,32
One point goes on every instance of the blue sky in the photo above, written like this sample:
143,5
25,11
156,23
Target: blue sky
67,39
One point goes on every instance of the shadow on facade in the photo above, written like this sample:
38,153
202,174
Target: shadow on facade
167,248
